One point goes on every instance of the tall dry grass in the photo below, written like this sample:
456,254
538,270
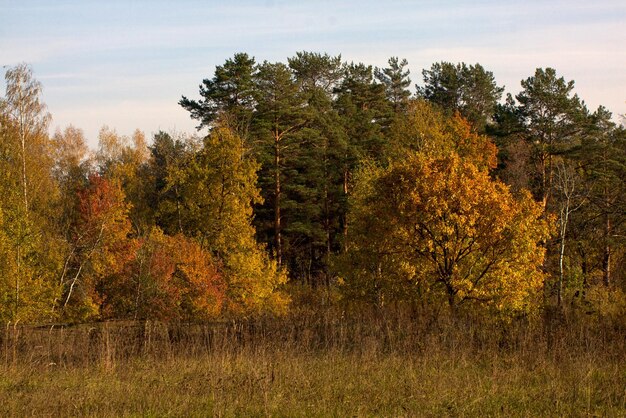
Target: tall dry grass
378,363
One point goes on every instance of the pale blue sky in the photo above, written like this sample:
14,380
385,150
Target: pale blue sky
126,63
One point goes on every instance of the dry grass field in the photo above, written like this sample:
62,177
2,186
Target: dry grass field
324,365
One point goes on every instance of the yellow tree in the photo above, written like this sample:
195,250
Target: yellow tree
439,225
428,130
6,281
124,159
27,194
218,192
70,151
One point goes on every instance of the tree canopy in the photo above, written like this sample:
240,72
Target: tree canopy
315,173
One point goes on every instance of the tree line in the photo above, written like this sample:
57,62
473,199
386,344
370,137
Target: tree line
316,173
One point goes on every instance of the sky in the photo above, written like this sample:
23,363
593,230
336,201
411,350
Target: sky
125,64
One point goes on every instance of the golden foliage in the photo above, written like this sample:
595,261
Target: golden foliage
429,131
219,191
442,227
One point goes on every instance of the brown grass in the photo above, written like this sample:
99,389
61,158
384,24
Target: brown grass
380,364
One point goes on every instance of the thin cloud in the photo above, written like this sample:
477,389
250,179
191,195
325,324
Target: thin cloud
97,59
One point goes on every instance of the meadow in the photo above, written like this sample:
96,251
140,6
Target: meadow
380,363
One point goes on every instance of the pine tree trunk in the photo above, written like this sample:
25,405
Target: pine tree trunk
544,184
277,197
327,221
345,215
606,256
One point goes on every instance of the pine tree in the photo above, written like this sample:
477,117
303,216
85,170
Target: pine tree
470,90
280,115
602,156
396,81
230,92
313,230
552,118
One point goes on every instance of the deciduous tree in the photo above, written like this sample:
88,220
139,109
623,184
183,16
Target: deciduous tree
441,226
428,130
101,251
173,278
218,193
27,200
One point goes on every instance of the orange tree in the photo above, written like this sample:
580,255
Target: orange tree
100,250
112,274
174,278
438,227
